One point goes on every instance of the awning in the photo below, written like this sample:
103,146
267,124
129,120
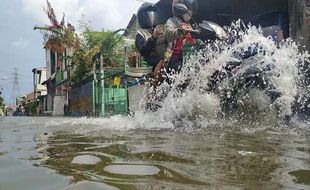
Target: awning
46,82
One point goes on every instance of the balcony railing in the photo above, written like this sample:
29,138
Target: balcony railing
59,76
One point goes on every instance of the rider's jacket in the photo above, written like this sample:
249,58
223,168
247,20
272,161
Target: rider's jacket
146,43
176,38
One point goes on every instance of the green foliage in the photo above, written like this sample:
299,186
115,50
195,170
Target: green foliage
59,34
33,107
9,110
91,38
134,48
1,101
112,42
79,60
104,42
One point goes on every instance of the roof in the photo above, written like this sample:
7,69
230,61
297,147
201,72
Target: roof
39,69
46,82
131,22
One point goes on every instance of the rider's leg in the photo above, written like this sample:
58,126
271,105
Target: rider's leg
158,75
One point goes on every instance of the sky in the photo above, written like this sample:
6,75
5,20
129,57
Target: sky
22,47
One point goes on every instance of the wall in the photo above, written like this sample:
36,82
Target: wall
41,77
81,99
300,21
136,95
48,63
59,102
132,28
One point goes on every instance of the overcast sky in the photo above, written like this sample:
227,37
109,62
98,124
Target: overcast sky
21,46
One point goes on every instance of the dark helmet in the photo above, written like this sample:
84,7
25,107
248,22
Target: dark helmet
181,7
147,15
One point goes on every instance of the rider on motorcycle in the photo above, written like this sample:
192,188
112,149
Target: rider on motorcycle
178,32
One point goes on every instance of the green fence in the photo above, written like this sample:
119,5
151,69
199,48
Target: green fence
111,93
115,101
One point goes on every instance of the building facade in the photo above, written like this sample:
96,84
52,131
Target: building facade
58,74
39,90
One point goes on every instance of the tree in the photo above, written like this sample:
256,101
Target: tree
110,45
1,101
58,36
105,43
1,106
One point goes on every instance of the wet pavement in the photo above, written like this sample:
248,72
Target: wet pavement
43,153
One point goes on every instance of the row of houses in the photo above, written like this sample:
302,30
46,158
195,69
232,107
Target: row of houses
104,91
101,92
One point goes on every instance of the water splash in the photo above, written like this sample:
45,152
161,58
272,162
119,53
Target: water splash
200,104
274,93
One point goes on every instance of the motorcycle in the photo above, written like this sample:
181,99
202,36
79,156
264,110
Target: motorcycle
234,80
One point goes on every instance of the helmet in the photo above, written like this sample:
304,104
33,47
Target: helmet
183,7
147,15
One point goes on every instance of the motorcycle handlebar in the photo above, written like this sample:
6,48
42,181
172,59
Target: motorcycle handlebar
190,31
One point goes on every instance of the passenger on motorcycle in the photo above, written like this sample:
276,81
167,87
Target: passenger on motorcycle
150,40
147,35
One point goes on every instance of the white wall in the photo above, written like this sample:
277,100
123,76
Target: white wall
49,102
39,87
59,102
48,63
136,94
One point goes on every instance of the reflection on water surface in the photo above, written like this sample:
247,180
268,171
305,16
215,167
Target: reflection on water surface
152,159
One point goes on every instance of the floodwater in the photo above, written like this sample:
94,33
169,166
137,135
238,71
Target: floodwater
84,153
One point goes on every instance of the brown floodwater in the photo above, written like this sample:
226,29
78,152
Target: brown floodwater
75,154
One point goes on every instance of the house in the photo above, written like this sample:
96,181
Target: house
57,72
132,28
39,90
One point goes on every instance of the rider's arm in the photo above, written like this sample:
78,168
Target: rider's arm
145,46
172,31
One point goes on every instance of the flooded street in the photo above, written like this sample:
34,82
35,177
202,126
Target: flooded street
155,95
69,153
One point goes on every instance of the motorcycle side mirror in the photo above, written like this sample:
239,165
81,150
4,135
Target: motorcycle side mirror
219,32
